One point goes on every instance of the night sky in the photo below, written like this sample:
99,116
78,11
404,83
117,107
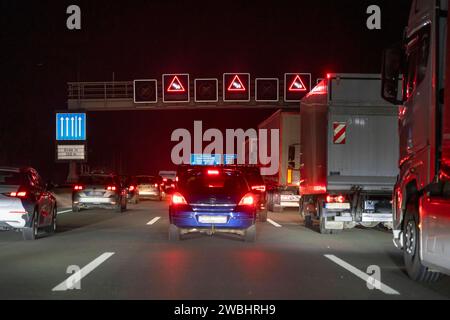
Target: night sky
144,39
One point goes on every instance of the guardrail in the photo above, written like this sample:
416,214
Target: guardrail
100,90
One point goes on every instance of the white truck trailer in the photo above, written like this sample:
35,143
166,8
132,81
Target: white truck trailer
349,159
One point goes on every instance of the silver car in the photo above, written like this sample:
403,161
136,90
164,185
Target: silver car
149,188
99,191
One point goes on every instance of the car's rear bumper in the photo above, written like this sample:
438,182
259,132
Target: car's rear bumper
96,202
190,220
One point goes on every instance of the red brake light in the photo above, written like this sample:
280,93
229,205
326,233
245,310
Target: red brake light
330,199
213,172
20,194
178,199
156,185
132,188
259,188
78,188
340,199
111,188
247,200
165,179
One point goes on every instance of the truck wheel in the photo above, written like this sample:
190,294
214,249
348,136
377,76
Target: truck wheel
369,224
323,229
411,249
263,216
250,234
308,221
174,233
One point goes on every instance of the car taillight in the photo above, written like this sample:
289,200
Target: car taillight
156,185
20,194
131,188
78,188
247,200
213,172
178,199
111,188
340,199
259,188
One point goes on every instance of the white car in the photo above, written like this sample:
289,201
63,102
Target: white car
26,203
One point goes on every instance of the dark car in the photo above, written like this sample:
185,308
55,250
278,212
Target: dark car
210,200
255,180
26,203
99,191
131,185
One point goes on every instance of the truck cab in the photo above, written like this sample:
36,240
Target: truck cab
421,199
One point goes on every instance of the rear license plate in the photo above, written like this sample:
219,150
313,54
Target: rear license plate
337,206
213,219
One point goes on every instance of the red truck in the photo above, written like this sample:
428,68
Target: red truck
421,198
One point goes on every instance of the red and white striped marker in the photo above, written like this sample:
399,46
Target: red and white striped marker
339,135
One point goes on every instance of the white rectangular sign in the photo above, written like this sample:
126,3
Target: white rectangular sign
71,152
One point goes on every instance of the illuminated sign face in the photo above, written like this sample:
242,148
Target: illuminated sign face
206,90
296,86
145,91
236,87
70,127
176,88
267,90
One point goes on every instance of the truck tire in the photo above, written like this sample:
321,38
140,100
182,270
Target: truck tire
250,234
308,221
369,224
174,233
270,204
322,228
411,248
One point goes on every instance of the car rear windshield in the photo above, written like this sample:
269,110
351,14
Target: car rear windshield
8,178
96,180
254,178
146,180
200,182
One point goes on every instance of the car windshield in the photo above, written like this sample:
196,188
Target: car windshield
146,180
8,178
96,180
200,182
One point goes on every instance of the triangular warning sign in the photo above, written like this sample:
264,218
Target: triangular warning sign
237,85
176,86
297,85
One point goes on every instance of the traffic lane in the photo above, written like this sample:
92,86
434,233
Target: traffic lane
282,264
30,269
364,248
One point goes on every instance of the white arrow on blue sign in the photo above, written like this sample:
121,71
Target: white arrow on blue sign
71,126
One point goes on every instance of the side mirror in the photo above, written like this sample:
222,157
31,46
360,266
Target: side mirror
392,68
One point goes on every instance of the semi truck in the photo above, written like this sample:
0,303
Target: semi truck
421,226
349,152
283,188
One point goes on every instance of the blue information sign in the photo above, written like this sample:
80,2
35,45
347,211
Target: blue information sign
212,159
71,126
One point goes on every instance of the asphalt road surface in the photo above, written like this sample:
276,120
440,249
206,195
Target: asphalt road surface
100,254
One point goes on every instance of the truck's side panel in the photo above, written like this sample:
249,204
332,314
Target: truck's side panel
290,135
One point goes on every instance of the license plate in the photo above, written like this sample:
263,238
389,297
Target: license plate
213,219
289,198
337,206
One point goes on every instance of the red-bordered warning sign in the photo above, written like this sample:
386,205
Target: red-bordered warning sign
339,132
236,85
297,85
176,85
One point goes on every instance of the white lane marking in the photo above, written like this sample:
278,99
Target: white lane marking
153,221
66,211
362,275
274,223
74,279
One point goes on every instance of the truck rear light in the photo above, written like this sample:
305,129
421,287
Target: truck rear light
213,172
111,188
78,188
247,200
156,185
131,188
178,199
259,188
334,199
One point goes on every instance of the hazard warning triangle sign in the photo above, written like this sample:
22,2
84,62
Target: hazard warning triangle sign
297,85
176,86
236,85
